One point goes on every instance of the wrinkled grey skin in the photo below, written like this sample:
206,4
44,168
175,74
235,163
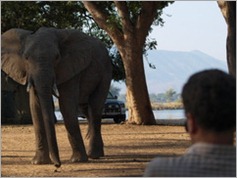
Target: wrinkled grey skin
67,63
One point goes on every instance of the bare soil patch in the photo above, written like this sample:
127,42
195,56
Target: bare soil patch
128,149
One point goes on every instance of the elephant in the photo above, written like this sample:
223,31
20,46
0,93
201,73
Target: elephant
71,65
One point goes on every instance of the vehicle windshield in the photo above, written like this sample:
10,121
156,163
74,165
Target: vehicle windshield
110,96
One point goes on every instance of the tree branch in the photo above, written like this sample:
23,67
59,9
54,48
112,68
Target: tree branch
101,19
124,14
145,19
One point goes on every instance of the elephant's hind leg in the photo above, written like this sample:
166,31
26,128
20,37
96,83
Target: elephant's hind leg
96,104
69,107
96,145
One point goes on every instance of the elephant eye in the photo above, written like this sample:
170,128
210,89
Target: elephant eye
25,56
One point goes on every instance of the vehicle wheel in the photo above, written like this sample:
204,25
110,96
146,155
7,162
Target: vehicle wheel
119,119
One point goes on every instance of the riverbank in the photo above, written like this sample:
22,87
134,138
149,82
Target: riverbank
128,149
165,106
154,105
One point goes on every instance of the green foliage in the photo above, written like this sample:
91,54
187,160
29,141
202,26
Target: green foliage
31,15
118,67
168,96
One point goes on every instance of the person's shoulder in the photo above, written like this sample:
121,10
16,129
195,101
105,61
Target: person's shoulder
160,166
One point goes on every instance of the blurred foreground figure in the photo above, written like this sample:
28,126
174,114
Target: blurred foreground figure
209,99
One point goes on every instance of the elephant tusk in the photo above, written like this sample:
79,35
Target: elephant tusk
29,85
55,90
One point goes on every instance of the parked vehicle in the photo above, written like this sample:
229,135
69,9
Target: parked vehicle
114,109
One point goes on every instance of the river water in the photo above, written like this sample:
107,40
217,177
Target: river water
169,114
159,114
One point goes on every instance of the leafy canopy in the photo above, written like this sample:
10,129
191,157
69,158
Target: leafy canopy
32,15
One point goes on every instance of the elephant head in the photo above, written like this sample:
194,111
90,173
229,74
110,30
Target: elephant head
42,60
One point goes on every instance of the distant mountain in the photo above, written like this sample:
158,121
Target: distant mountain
172,68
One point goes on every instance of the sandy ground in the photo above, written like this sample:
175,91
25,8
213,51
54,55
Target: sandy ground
128,149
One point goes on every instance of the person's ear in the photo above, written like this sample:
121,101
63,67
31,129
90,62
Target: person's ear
191,124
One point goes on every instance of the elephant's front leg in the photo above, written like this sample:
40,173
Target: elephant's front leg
42,150
69,107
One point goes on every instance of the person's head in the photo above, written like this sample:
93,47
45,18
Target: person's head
209,99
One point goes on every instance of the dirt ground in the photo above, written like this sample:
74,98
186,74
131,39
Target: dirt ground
128,149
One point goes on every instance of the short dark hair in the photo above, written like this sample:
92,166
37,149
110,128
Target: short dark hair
210,96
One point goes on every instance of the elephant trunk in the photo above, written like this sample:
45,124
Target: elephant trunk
48,119
55,89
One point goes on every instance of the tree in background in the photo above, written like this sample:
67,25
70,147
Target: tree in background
32,15
228,9
128,24
169,94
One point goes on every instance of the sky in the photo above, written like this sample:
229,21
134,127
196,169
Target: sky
193,25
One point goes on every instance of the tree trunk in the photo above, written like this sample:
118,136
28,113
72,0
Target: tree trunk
228,9
130,39
138,102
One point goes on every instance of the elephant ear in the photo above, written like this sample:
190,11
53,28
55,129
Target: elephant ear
76,53
12,62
